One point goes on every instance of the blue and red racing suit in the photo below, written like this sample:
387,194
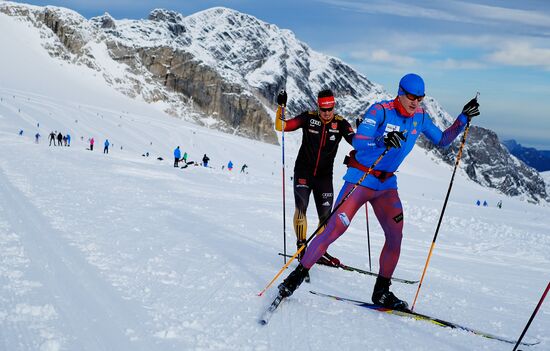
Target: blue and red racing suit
368,142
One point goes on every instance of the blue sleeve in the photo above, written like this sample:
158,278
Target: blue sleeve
367,133
444,139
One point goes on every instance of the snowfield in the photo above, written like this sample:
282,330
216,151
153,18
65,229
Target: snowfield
121,252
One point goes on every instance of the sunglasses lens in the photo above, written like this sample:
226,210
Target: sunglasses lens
410,96
326,109
414,97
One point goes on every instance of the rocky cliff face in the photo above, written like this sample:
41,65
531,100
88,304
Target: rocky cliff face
223,69
487,162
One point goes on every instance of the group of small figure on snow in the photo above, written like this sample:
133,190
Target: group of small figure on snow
205,159
65,140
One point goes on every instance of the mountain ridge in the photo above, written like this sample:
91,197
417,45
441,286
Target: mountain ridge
538,159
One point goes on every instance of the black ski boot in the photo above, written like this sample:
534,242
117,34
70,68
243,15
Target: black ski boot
293,281
381,295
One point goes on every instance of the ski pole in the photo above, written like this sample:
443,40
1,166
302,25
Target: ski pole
459,155
532,316
284,202
323,222
368,234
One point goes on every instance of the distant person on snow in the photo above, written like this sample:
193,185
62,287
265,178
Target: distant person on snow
478,203
59,139
177,156
36,137
205,160
394,125
243,168
68,140
322,131
52,138
485,203
499,204
92,141
185,157
230,165
106,146
21,132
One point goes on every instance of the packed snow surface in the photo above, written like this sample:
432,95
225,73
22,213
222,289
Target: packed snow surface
121,251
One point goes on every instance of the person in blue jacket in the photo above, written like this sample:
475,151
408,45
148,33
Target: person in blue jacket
106,146
394,125
177,156
230,165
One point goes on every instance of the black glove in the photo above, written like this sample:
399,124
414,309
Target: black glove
358,121
281,98
393,139
471,109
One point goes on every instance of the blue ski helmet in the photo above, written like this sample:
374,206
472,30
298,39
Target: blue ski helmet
411,83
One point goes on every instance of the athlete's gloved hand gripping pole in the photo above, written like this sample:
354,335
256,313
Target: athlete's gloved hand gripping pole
470,110
322,224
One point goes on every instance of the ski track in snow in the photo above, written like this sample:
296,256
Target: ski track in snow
184,259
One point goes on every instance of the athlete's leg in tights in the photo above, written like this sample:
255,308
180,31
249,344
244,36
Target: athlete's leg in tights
388,210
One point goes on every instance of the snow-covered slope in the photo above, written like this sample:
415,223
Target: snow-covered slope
125,252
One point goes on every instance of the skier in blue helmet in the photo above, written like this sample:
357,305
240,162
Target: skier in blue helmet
393,125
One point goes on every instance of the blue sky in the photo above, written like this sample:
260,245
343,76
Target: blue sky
499,48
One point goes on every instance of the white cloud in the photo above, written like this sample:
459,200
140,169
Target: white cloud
395,8
522,54
503,14
450,10
383,56
459,64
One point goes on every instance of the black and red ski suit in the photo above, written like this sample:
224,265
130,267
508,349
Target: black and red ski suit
314,164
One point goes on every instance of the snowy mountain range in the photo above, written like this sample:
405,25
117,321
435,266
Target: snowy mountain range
122,251
222,69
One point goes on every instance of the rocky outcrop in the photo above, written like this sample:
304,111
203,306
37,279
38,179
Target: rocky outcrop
172,18
181,72
66,28
488,162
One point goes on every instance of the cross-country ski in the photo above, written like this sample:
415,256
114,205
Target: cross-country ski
422,317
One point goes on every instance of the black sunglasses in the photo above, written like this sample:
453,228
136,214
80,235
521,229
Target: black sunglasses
326,109
412,97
